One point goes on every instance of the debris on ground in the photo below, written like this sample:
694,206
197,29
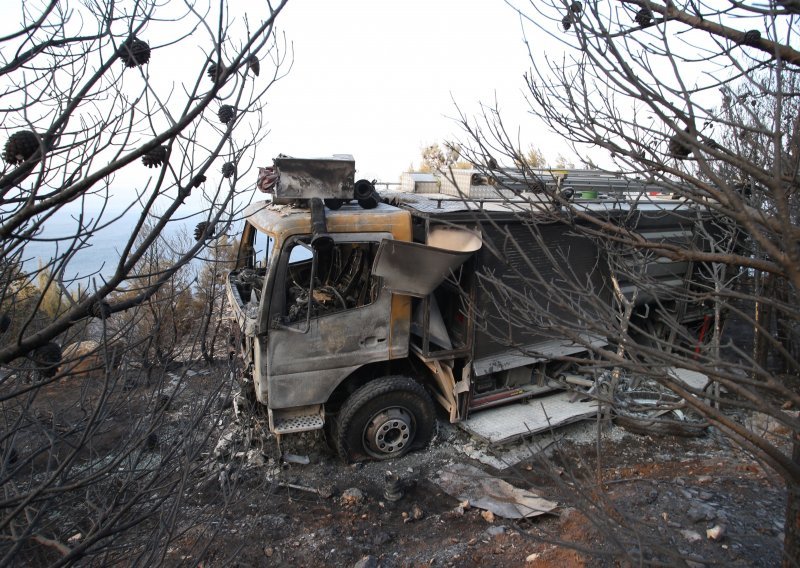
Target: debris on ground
467,482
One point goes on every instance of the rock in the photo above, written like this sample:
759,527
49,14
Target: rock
495,530
294,458
367,562
704,479
416,512
381,538
488,516
691,536
269,551
352,496
700,512
225,444
533,557
255,458
716,532
705,495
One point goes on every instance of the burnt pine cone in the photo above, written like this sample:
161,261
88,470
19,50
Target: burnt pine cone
751,38
644,17
566,22
200,230
215,71
576,7
678,149
198,180
48,357
254,65
226,113
20,146
101,310
134,52
228,169
156,157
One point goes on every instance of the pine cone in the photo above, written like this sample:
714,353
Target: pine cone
644,17
215,71
156,157
198,180
566,22
201,229
101,310
20,146
576,7
751,38
47,358
228,169
226,113
678,149
134,52
254,65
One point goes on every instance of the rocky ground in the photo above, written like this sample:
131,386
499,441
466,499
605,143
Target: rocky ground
670,500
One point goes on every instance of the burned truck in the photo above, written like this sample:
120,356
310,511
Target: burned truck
358,312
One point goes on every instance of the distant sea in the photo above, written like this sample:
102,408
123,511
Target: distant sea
102,252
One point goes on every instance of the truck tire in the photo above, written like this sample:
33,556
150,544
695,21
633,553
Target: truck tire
384,419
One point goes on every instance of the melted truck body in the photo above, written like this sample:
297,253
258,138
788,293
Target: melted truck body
408,303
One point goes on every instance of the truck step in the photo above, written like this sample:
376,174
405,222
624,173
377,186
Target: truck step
296,420
508,423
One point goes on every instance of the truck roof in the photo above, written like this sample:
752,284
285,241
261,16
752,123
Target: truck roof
286,220
439,205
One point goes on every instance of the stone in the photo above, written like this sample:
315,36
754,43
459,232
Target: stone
533,557
352,496
367,562
700,512
269,551
717,532
691,536
255,458
495,530
488,516
416,512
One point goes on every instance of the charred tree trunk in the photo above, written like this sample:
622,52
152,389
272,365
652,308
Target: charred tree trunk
763,319
791,540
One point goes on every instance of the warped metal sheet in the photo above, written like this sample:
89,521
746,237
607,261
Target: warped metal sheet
507,423
466,482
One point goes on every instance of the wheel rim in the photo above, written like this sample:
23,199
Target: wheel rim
389,432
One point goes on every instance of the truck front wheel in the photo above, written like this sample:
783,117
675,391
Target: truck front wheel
385,418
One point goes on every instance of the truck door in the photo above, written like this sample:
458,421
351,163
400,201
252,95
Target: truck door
329,315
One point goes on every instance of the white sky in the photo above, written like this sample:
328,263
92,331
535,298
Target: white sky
377,79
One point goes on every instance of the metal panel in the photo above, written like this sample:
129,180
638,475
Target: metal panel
415,269
501,425
326,178
516,260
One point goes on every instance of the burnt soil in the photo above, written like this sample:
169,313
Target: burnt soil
653,502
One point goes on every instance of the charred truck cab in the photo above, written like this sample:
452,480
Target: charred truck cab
358,315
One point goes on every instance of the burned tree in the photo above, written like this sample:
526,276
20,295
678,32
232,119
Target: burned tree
113,127
698,104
